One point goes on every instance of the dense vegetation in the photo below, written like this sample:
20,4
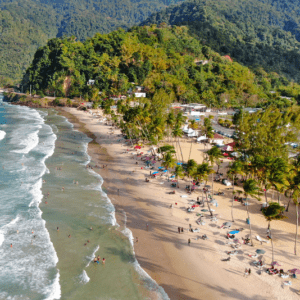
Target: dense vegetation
256,33
166,61
27,25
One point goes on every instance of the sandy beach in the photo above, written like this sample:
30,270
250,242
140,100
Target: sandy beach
194,271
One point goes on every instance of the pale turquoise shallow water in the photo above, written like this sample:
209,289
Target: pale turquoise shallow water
34,145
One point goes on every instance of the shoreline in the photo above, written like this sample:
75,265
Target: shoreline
184,272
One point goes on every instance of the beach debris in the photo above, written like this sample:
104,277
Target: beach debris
260,251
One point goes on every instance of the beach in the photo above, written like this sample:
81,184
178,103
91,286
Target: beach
184,271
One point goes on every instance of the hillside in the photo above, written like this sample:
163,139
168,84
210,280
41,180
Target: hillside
256,33
26,25
167,61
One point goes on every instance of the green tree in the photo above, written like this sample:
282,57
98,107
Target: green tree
250,188
273,212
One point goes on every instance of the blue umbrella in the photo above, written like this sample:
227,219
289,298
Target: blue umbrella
154,173
179,163
234,232
164,171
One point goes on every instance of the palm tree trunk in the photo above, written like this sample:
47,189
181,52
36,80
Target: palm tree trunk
211,213
249,222
232,200
271,241
287,208
278,197
180,148
190,150
297,218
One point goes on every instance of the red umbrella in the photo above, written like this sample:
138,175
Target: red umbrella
137,147
225,154
295,271
195,205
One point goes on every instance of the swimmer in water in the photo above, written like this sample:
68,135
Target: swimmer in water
63,189
10,245
103,261
57,229
69,235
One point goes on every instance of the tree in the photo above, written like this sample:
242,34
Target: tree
214,155
236,168
193,125
169,161
250,188
273,212
177,133
178,173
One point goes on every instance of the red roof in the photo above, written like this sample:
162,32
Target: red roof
228,57
231,144
218,137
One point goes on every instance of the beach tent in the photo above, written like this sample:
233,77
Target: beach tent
201,138
186,128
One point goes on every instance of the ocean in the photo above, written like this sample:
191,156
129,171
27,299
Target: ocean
55,217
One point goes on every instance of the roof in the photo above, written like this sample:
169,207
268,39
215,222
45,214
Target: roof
231,144
228,57
218,137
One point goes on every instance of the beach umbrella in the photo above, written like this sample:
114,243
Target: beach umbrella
137,147
204,210
195,205
153,161
147,158
295,271
260,251
154,173
179,163
234,232
164,171
275,263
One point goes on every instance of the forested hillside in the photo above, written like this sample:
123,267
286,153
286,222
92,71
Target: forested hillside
26,25
167,61
256,33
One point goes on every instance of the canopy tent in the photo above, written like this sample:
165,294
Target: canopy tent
227,148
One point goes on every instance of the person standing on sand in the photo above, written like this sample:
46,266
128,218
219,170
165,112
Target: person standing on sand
189,242
181,229
178,229
147,226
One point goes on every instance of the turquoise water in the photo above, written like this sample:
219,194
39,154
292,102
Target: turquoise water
44,162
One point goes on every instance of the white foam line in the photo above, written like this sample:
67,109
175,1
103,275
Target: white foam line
91,258
55,289
150,282
2,134
84,277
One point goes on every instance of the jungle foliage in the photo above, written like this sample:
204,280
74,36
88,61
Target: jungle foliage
256,33
167,61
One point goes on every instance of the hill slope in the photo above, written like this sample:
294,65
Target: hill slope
171,65
256,33
26,25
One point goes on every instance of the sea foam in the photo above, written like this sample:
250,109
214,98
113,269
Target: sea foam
2,134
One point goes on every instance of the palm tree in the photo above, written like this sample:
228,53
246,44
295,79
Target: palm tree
250,189
191,168
193,125
236,168
202,173
293,191
177,133
169,161
178,173
273,212
214,155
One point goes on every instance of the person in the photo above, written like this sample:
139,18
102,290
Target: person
62,188
137,239
103,261
147,226
98,258
95,259
249,272
69,235
178,229
10,245
181,229
57,228
189,242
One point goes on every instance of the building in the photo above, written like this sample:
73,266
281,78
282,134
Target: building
194,109
140,95
91,82
217,139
